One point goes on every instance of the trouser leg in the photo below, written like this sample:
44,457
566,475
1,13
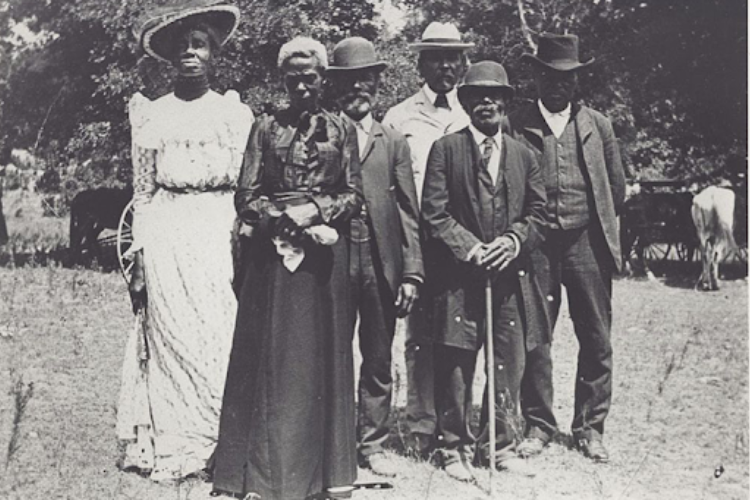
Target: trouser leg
587,275
508,367
453,380
537,392
376,329
420,403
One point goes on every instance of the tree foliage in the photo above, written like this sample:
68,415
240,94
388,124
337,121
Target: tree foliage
670,74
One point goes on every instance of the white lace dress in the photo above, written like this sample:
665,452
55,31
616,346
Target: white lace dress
186,159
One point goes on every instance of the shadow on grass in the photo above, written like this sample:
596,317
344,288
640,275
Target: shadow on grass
678,274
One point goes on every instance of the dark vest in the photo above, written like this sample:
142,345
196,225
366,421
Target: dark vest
569,197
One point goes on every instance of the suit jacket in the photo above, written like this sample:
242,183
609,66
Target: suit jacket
450,214
601,156
391,200
422,124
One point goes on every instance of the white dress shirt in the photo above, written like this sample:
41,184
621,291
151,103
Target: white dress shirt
494,164
451,97
363,128
556,121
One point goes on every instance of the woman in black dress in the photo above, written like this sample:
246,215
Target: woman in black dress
287,423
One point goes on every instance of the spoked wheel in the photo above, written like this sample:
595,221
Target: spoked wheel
657,252
685,252
742,254
124,240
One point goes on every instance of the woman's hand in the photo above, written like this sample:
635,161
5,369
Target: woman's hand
137,285
303,216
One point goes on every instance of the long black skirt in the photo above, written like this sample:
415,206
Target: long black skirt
287,422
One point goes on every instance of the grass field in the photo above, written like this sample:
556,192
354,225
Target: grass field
680,410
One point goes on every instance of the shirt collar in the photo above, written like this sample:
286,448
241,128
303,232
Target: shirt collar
366,122
479,137
547,114
451,96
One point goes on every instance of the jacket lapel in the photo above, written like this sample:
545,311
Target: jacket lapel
584,129
375,134
534,124
471,164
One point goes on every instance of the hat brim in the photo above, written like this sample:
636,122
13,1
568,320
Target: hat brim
420,46
225,18
558,65
377,66
487,84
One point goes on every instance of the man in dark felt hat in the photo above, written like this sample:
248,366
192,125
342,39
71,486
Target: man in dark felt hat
386,258
483,211
423,118
585,182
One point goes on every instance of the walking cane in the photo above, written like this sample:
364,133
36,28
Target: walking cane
490,352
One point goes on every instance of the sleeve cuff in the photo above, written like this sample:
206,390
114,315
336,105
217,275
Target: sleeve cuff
473,251
413,278
517,242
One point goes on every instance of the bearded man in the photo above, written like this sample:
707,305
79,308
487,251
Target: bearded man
385,268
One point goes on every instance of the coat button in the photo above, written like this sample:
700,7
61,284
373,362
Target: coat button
550,298
522,273
458,319
512,323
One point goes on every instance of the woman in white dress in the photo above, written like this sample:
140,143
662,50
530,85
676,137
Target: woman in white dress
187,152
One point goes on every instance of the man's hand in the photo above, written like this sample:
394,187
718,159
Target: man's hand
498,254
408,293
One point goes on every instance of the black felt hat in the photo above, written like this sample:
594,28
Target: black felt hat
559,52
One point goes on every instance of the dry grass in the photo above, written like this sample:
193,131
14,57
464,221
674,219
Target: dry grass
31,236
680,406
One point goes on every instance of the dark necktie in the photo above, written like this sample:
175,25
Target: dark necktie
441,101
487,145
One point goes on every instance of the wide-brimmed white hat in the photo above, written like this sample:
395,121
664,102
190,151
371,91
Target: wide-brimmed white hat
160,25
440,36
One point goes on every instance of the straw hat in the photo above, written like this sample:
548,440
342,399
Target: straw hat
160,25
440,36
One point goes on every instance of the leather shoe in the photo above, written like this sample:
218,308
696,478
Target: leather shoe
381,464
457,465
593,448
459,471
531,447
517,466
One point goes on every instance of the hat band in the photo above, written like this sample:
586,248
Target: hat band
441,40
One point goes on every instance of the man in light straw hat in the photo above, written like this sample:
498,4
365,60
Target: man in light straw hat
385,268
423,118
483,210
578,151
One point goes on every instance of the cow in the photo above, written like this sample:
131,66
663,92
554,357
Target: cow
713,213
91,212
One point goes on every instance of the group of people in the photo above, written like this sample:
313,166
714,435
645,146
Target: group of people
258,243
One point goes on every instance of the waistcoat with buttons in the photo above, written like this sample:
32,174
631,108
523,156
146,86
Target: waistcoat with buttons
569,198
493,213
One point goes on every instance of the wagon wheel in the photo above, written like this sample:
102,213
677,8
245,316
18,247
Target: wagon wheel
657,252
124,240
742,254
685,252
